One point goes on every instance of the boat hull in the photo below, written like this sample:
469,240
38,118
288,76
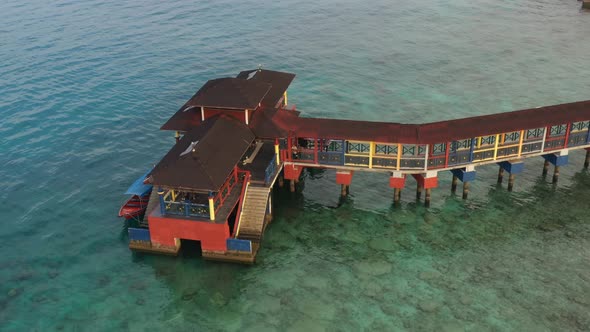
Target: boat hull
134,207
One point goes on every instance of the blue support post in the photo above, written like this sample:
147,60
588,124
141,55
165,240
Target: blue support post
556,160
512,167
471,149
187,207
465,176
162,205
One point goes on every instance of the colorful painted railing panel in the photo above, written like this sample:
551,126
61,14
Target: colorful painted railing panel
139,234
501,146
186,209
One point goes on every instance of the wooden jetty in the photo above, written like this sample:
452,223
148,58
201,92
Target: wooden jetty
237,137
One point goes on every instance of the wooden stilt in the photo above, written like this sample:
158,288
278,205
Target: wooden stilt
454,184
545,167
427,197
343,190
511,182
500,174
396,195
555,174
281,181
587,160
418,192
292,185
465,190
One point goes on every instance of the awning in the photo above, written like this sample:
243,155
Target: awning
138,187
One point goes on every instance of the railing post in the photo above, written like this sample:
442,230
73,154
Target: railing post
187,207
211,207
162,205
277,157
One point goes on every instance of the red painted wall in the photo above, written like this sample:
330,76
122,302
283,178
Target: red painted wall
292,172
212,236
344,177
426,183
397,182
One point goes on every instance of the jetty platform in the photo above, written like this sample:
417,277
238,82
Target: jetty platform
238,138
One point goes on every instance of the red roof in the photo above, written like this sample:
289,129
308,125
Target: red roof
282,121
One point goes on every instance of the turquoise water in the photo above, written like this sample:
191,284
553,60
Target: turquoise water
84,87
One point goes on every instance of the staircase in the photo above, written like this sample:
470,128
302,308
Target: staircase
252,217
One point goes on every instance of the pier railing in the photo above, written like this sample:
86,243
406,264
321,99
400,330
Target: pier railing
186,209
443,155
227,188
270,170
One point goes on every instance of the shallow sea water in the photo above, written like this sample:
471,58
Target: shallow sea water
85,85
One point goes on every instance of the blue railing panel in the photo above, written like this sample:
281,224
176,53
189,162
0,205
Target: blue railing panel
239,245
139,234
270,169
186,209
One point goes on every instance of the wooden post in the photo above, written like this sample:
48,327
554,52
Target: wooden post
454,184
177,136
343,190
587,160
555,174
427,197
511,182
545,167
418,191
396,195
281,181
500,174
465,190
211,207
292,185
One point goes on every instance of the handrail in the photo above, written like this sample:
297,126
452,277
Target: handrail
242,200
219,196
270,169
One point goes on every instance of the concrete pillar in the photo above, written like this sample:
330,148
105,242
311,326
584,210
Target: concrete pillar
587,160
500,174
545,167
454,184
555,174
465,190
511,181
427,197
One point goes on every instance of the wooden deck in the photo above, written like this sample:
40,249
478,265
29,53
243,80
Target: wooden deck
258,166
148,247
233,256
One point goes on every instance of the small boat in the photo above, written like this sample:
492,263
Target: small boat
135,206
